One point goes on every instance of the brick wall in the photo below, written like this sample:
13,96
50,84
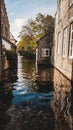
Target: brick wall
1,73
0,46
5,22
63,21
4,31
44,43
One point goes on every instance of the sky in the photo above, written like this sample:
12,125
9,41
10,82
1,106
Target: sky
19,11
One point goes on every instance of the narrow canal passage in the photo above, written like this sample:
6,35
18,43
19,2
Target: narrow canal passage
39,98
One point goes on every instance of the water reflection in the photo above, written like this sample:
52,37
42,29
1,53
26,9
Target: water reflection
44,80
45,76
38,88
5,103
28,89
25,68
62,102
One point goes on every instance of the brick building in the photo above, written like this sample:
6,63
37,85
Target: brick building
5,22
1,74
63,40
6,39
43,51
5,26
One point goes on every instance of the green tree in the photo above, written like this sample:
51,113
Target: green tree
33,30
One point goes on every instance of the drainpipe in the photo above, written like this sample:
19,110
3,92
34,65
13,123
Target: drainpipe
1,64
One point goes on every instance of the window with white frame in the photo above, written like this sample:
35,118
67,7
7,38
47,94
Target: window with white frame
59,43
71,2
71,41
64,42
45,52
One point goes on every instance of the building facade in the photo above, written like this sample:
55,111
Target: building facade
5,27
63,39
4,21
1,73
7,42
43,51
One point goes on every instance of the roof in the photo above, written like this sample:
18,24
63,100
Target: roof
42,38
8,41
12,39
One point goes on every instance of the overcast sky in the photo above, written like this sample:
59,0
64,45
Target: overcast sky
19,11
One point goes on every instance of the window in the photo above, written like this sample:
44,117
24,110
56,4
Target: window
71,41
71,2
3,18
6,31
45,52
2,27
60,9
65,42
59,42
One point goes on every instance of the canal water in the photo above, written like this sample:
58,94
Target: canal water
36,97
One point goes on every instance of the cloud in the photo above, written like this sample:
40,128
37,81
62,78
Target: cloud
11,13
19,22
20,9
16,26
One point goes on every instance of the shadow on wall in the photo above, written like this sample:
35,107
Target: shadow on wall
72,71
72,90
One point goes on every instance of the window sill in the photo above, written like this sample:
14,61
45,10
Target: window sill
70,60
45,56
70,57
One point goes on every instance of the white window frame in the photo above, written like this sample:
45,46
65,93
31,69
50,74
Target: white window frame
71,2
44,51
65,42
71,42
59,43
